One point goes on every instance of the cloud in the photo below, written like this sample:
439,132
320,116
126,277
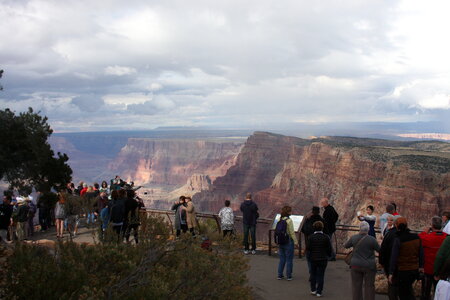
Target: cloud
119,71
145,64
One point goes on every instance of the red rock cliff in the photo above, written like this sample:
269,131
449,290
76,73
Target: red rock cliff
285,170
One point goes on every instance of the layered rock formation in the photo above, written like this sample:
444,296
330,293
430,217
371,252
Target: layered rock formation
173,161
352,173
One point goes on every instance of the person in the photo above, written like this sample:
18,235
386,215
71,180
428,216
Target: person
406,259
330,217
90,201
180,215
5,218
319,248
384,257
22,218
307,228
286,251
43,205
30,219
446,225
104,188
249,218
60,215
226,216
442,271
117,213
104,217
384,217
191,217
370,218
363,267
432,239
132,217
395,213
84,189
388,226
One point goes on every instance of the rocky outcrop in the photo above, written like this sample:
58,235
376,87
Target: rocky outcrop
173,161
285,170
195,184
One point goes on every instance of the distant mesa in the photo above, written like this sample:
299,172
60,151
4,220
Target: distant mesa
432,136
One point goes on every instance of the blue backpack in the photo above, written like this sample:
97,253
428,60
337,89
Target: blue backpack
281,235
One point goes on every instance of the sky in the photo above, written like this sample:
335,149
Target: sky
125,65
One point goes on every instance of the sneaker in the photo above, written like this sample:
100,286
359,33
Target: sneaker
318,295
313,293
280,277
253,252
246,252
289,278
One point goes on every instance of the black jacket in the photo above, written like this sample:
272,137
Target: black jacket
330,216
319,246
307,228
386,249
249,212
5,215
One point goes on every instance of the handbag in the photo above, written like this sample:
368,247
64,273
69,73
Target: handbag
348,257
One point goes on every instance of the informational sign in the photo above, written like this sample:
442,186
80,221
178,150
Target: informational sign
296,219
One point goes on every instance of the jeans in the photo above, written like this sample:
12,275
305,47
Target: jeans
286,253
427,283
405,282
359,276
317,275
252,229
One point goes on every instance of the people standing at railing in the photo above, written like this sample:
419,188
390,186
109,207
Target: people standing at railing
286,244
249,218
407,259
363,267
384,257
442,271
445,221
330,217
319,249
180,215
191,216
226,216
370,218
384,217
132,217
60,215
432,238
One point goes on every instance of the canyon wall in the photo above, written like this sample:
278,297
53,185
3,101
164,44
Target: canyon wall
352,173
173,161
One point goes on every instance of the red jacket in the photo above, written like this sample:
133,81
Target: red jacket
431,242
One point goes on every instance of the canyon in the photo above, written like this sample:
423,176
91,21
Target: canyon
276,169
351,172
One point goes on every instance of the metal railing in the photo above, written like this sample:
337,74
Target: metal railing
264,231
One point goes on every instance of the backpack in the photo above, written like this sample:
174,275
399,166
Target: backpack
281,235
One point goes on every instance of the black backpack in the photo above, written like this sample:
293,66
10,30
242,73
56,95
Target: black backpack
281,235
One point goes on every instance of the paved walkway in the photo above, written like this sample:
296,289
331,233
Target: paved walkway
262,277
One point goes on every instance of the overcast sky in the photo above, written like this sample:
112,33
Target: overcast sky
107,65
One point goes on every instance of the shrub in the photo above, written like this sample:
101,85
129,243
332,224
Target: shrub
156,268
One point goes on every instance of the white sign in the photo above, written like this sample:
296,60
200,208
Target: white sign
296,219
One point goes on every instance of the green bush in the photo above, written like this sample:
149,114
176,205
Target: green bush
156,268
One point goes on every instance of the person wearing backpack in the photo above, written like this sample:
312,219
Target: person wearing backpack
319,249
286,240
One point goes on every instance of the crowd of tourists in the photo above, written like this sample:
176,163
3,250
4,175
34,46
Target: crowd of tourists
114,205
405,257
